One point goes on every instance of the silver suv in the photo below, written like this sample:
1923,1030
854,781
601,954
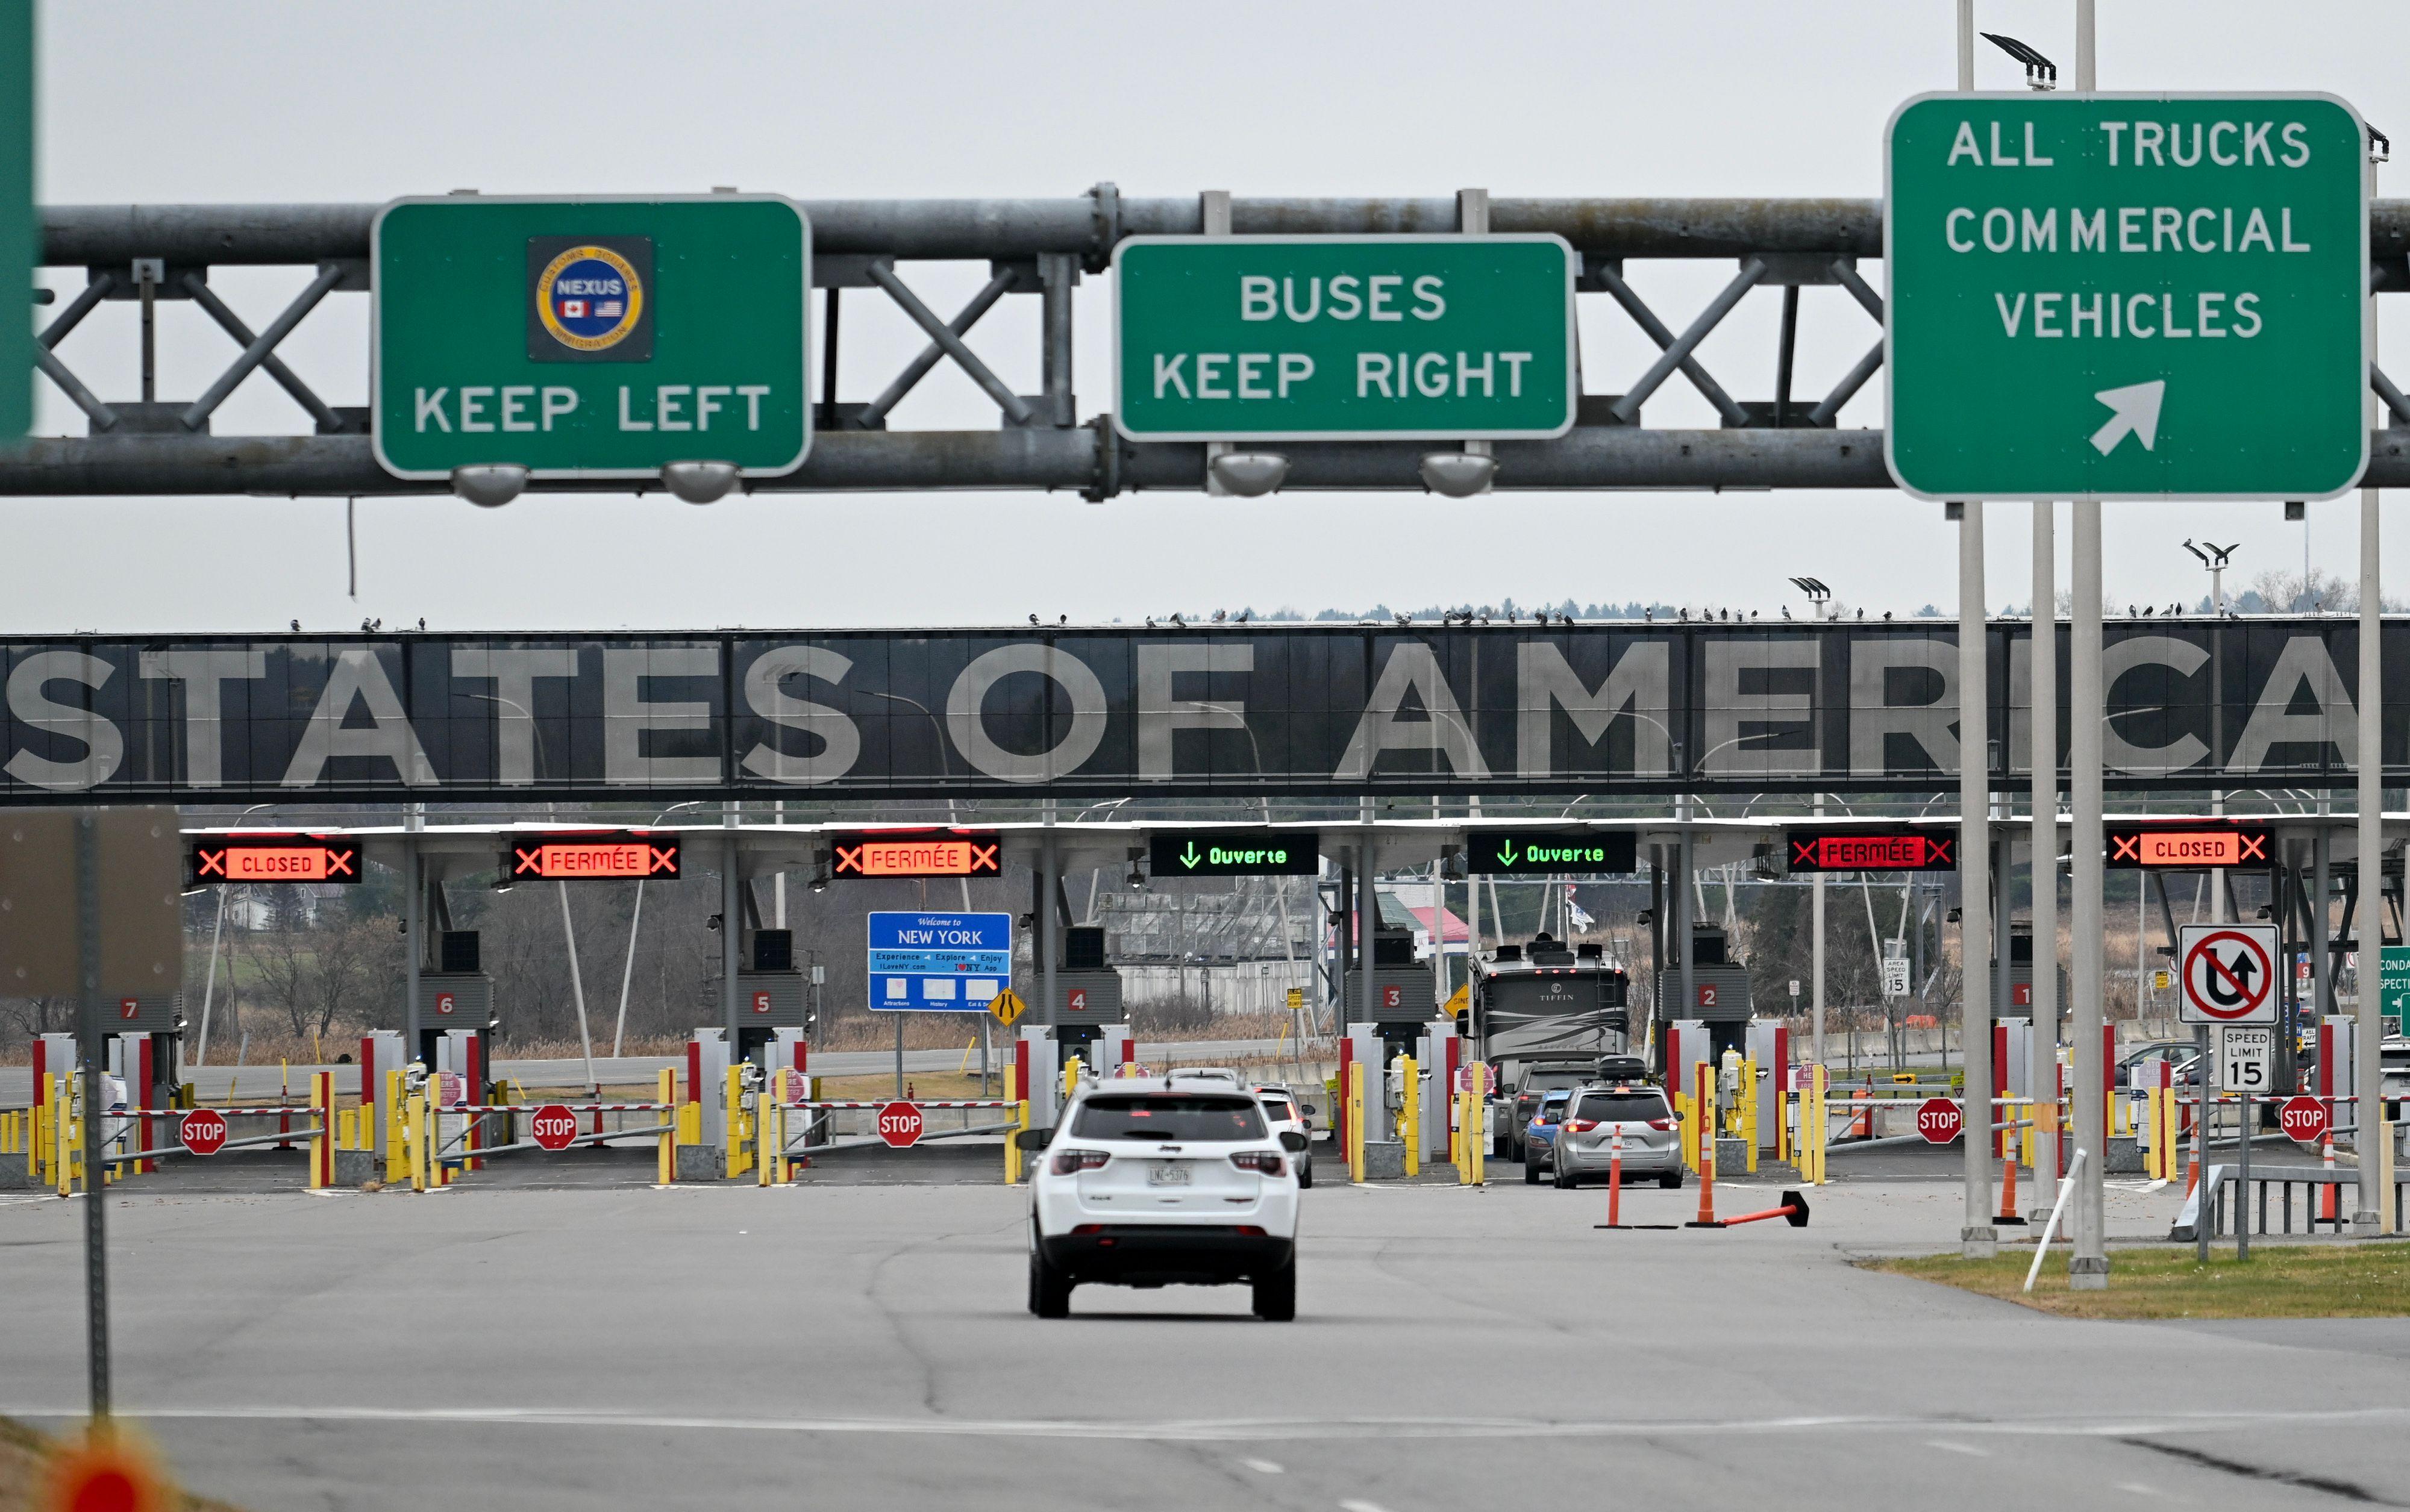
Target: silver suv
1640,1116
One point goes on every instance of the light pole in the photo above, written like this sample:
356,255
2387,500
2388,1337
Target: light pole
628,972
2216,559
209,991
2370,840
568,928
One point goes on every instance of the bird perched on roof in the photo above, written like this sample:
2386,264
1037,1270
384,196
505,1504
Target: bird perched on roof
1150,621
1886,617
1245,615
1182,623
1862,614
1033,620
1221,614
1404,620
1648,614
1786,611
296,627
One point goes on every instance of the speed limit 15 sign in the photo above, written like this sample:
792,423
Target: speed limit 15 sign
2247,1057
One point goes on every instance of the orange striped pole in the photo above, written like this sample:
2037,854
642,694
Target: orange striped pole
1706,1103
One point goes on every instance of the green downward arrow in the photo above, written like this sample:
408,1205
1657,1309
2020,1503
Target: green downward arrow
1189,857
1506,854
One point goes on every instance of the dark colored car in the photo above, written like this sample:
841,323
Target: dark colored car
1539,1079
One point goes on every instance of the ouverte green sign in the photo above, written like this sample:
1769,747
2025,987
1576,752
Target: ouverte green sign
592,338
2126,295
1272,337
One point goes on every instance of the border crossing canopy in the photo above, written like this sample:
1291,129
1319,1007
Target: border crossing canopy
1224,710
2126,295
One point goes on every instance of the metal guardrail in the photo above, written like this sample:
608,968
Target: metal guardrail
2344,1181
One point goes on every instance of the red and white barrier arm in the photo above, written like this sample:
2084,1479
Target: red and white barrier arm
891,1102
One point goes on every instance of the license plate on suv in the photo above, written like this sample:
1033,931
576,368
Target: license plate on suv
1166,1173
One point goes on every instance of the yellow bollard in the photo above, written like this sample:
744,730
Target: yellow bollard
413,1138
62,1134
735,1123
1410,1116
1356,1121
397,1151
1748,1112
665,1144
770,1136
1012,1155
1479,1139
1823,1140
1070,1078
322,1131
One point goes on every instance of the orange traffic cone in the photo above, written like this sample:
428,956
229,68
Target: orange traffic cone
2008,1213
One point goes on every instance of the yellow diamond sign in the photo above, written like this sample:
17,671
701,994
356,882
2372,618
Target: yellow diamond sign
1006,1006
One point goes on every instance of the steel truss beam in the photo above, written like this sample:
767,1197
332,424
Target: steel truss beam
1040,246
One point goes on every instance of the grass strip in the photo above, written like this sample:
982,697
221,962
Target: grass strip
2278,1281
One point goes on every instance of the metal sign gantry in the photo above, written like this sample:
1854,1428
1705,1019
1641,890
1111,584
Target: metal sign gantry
1040,248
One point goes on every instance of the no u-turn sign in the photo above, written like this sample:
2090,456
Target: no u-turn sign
2229,973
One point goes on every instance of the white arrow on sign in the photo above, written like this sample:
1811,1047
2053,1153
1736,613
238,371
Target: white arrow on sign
2138,414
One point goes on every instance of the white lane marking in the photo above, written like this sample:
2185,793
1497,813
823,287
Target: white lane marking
1361,1507
1262,1466
1959,1448
1243,1429
2139,1489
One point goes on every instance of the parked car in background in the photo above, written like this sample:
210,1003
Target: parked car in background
2137,1066
1540,1135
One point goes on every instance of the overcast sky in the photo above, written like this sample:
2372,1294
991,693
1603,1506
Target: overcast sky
244,103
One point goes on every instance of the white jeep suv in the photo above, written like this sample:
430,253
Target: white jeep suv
1148,1183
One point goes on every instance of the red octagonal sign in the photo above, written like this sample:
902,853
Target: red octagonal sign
554,1127
2304,1119
1938,1120
203,1131
899,1124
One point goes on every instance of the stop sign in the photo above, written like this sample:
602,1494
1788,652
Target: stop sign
554,1127
899,1124
1938,1120
2304,1119
203,1131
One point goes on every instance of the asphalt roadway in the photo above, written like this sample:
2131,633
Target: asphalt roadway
865,1345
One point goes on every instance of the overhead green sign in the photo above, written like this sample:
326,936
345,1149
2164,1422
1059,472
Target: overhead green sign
2126,295
592,338
2394,986
1234,852
1270,338
1549,853
20,222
